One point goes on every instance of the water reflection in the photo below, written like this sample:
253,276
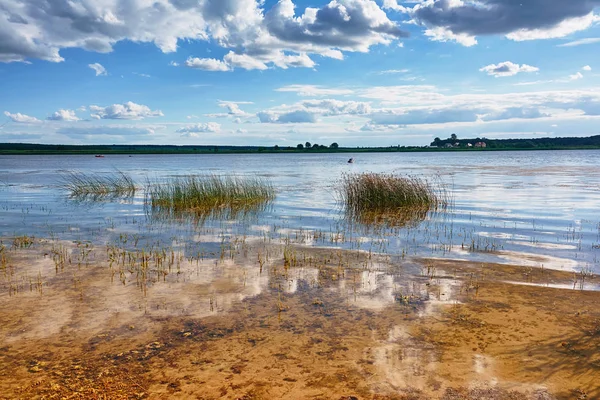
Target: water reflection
542,203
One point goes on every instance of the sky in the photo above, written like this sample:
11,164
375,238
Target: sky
253,72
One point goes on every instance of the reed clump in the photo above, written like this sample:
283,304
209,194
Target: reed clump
98,186
372,197
215,195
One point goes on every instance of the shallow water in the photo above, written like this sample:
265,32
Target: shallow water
294,302
528,208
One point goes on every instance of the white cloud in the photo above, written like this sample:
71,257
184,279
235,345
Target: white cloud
314,90
34,31
576,76
233,60
562,29
21,118
113,131
464,20
207,64
515,113
63,115
507,68
393,71
393,5
129,110
296,116
257,37
307,111
440,34
426,105
195,129
586,68
98,68
233,109
243,61
580,42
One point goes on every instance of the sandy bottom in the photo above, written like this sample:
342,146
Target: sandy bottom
329,324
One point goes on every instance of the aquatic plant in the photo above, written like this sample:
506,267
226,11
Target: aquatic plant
393,199
211,195
96,186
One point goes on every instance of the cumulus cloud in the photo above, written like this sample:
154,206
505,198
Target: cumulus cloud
517,20
586,68
329,107
441,34
393,5
575,76
307,111
129,110
233,109
297,116
33,29
507,68
63,115
98,68
21,118
194,129
258,38
371,127
353,25
207,64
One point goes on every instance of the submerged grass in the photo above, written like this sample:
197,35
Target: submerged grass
212,195
97,186
391,199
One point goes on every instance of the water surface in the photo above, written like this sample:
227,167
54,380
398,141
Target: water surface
527,208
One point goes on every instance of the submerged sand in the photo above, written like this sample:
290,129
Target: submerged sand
273,321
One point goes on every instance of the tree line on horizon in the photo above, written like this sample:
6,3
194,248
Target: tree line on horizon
525,143
308,145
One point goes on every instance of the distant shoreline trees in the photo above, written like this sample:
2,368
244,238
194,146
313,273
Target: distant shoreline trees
316,146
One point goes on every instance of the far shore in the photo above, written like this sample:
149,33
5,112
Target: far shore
39,149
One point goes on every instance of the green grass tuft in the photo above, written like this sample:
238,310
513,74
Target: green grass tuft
98,186
224,196
373,198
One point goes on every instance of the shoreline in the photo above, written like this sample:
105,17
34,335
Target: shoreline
303,323
108,151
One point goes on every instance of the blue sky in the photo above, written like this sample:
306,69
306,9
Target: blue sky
355,72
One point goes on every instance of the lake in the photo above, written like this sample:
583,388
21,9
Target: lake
495,296
528,208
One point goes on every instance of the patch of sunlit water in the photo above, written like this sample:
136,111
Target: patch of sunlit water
538,260
543,245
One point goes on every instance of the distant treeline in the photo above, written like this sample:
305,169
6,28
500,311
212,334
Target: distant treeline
453,143
25,148
521,144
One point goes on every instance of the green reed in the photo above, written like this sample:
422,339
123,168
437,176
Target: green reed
372,197
97,186
211,194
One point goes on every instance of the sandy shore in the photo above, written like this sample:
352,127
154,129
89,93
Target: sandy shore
291,323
